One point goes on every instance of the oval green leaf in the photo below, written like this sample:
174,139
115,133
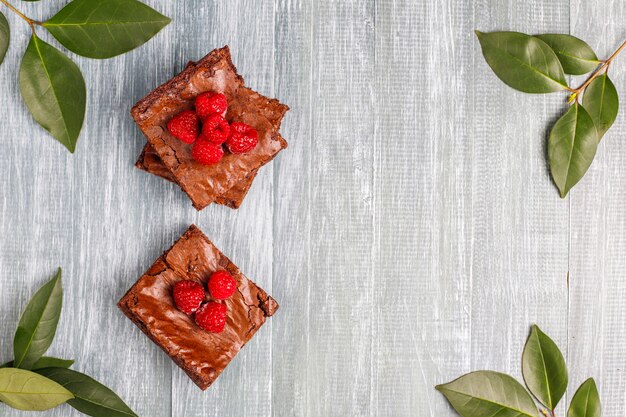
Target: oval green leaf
586,401
91,397
487,393
54,91
571,147
26,390
104,29
45,362
544,369
523,62
38,324
575,55
602,103
5,36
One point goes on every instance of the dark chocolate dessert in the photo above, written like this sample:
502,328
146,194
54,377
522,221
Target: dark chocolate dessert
209,183
150,305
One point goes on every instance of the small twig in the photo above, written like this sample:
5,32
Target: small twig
28,20
605,66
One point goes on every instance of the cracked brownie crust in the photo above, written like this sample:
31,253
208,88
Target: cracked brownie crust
149,304
150,162
207,183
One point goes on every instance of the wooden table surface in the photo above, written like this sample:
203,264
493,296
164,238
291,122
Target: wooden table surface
410,232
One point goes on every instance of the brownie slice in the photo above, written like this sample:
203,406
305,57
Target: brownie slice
215,72
150,162
150,305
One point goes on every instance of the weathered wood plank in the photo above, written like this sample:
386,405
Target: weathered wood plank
423,203
293,270
338,367
597,331
520,250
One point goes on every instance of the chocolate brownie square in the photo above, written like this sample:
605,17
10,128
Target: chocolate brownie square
205,184
150,162
150,305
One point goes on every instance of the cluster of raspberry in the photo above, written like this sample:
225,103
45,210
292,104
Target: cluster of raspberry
208,130
189,298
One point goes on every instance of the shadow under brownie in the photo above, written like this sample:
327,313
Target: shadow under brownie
205,184
150,305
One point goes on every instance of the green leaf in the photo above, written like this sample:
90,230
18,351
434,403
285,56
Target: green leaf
91,397
487,393
575,55
45,362
38,324
5,36
523,62
103,29
544,369
602,103
571,147
586,401
26,390
54,91
50,362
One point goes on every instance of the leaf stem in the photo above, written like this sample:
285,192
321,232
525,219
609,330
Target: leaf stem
28,20
605,66
547,413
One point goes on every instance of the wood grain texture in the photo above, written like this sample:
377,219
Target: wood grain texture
410,232
520,249
340,282
293,279
423,204
597,330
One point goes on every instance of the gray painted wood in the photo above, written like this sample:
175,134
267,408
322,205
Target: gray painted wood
410,231
423,204
520,231
293,270
598,233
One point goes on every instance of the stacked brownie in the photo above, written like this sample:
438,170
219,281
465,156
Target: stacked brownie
228,181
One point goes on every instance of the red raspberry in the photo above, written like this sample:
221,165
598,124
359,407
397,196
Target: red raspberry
222,285
212,317
216,129
209,103
243,139
185,126
188,295
206,152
